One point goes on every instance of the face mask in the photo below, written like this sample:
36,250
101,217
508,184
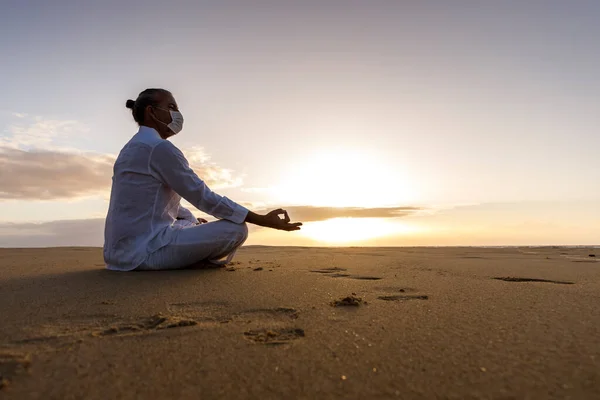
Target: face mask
176,124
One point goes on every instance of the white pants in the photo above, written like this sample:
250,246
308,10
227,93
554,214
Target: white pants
205,242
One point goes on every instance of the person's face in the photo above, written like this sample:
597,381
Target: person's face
161,112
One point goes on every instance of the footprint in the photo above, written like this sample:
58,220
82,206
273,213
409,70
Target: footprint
515,279
268,313
274,336
67,330
328,270
155,322
75,330
337,272
338,275
399,297
366,278
220,311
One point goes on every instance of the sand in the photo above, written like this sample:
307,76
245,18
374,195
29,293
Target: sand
421,323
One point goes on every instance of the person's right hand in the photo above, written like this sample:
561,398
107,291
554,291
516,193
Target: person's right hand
272,220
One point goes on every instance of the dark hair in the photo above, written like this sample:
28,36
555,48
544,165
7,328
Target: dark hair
148,97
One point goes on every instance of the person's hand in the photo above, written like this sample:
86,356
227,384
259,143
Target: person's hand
201,221
272,220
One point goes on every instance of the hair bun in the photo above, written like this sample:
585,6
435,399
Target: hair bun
130,104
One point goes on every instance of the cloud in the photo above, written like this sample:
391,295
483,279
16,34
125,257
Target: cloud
83,232
46,175
216,177
311,214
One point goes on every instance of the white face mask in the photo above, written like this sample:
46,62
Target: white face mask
176,124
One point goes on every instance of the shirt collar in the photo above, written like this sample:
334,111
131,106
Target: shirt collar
146,130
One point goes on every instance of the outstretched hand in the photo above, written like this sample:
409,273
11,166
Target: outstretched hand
272,220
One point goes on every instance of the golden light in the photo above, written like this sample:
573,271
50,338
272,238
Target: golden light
344,178
353,230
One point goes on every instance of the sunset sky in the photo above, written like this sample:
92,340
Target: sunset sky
375,122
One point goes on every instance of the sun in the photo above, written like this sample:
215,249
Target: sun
344,178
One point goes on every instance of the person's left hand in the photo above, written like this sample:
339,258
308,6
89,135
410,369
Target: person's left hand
202,221
272,220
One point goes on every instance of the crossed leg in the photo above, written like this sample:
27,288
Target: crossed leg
206,242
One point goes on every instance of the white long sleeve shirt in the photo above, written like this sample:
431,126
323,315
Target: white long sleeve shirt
151,176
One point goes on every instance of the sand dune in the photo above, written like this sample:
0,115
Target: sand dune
304,323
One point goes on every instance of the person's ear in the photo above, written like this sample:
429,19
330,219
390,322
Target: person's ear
150,112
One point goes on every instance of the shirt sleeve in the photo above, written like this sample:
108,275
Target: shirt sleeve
169,165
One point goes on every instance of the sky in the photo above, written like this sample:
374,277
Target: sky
378,123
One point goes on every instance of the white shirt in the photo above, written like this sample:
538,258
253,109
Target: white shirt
150,177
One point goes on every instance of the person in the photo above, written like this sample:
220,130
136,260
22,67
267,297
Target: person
146,226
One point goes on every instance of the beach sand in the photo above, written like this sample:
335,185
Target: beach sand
425,323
